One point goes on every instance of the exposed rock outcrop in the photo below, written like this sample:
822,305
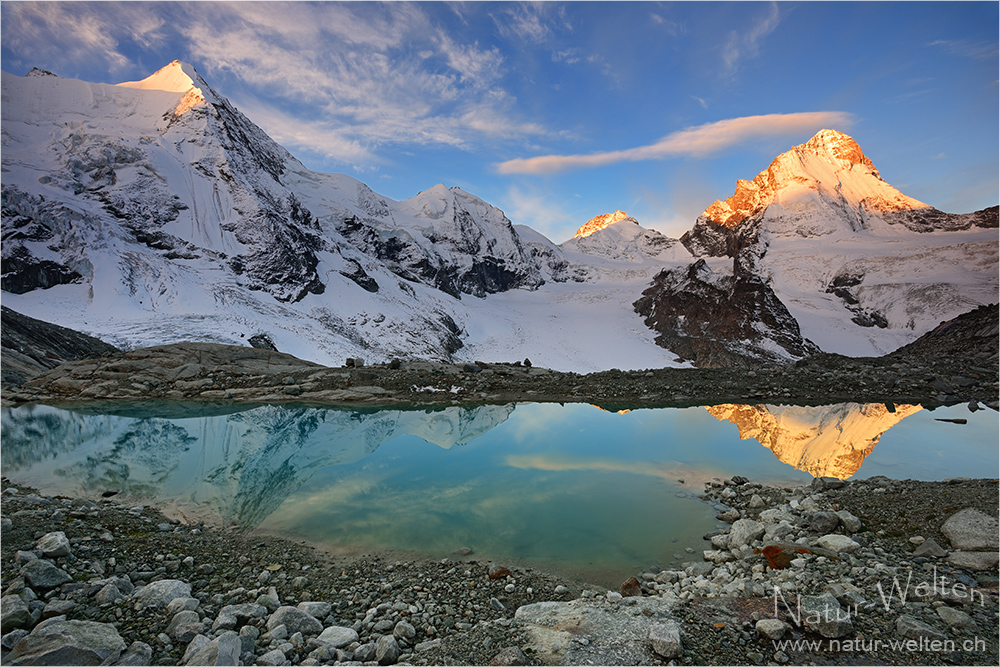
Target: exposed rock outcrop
721,320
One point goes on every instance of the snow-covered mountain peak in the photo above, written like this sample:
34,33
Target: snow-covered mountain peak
829,171
620,237
177,77
836,145
39,72
600,222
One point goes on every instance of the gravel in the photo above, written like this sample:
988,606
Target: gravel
452,612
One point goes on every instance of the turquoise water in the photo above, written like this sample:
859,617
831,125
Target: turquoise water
572,487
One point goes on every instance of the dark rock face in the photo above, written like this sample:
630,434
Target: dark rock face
31,346
262,341
460,264
360,276
712,239
31,221
933,220
715,320
975,330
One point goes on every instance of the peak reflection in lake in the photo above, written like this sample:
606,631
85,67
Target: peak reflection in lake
571,486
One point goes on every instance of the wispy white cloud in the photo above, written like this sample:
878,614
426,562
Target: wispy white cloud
318,137
539,210
968,48
62,33
693,141
672,27
745,44
382,75
531,22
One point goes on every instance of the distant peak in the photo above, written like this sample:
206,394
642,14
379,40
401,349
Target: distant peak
177,77
600,222
40,72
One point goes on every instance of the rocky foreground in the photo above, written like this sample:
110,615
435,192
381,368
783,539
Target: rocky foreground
866,572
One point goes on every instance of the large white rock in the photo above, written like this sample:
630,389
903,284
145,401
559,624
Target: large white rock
744,532
971,530
838,543
161,593
54,545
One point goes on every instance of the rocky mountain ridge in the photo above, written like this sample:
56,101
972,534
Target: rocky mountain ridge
160,213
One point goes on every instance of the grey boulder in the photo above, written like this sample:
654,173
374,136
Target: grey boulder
61,642
223,650
971,530
43,574
294,620
161,593
54,545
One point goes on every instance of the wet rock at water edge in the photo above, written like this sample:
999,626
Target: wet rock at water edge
630,588
498,571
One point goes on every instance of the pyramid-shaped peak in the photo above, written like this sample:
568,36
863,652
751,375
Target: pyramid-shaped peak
598,223
177,77
837,145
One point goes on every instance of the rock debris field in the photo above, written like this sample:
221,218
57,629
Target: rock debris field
865,572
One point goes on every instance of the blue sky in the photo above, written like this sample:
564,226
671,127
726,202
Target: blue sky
652,108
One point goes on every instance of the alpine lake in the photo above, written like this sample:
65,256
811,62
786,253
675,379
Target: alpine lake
570,488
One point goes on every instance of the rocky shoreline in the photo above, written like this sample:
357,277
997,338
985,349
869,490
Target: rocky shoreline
878,572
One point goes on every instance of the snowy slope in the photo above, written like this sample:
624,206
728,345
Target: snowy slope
154,212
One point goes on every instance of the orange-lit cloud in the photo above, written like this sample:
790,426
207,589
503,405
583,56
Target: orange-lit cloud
693,141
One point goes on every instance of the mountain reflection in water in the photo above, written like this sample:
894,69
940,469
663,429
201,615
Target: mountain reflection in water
825,440
239,466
